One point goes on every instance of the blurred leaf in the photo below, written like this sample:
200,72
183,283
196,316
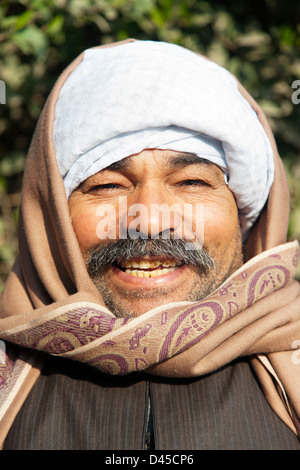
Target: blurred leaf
9,22
270,108
3,185
253,39
24,19
55,25
31,41
6,252
224,23
287,35
13,164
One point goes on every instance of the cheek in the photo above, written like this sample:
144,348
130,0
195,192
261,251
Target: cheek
84,225
221,225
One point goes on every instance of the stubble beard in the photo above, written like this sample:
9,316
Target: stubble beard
210,272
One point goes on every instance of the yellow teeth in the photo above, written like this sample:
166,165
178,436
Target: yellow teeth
145,264
141,273
148,268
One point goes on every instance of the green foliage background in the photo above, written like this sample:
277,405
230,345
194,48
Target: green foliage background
259,41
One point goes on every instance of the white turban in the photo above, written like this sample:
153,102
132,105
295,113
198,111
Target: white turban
124,99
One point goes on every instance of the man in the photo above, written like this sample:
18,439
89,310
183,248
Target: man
152,305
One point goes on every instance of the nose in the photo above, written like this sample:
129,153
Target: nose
151,212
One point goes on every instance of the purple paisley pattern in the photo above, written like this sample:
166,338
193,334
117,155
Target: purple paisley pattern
200,319
113,364
265,280
120,346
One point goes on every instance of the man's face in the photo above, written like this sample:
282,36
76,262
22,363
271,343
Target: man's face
128,191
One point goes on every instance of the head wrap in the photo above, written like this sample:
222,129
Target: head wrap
122,100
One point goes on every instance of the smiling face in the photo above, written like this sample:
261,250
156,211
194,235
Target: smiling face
135,276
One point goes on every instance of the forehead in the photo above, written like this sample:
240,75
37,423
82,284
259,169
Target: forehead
165,158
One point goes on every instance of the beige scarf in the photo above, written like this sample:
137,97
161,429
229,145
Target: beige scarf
51,306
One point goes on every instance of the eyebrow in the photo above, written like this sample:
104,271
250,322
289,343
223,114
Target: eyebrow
185,159
179,160
119,165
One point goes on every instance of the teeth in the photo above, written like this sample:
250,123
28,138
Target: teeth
148,268
168,263
147,274
145,264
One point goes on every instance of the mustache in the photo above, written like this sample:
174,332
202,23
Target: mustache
121,250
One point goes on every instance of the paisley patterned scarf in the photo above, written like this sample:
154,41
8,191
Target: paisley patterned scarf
89,333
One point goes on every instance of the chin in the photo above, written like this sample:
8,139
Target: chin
127,310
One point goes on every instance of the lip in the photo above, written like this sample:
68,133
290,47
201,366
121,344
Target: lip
122,277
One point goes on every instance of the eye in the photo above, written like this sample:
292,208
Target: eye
104,187
193,182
